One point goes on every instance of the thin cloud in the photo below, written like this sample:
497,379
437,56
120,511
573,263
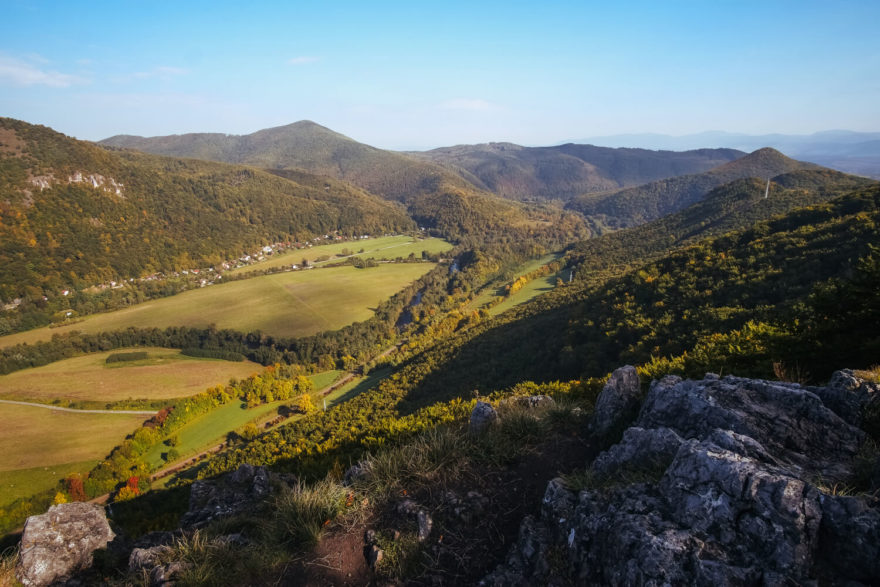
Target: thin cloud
472,104
302,60
22,73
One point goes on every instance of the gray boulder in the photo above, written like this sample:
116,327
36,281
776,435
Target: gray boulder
61,542
483,417
618,403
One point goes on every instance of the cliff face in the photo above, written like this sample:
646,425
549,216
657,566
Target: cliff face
718,482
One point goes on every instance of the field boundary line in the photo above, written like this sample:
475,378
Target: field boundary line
74,410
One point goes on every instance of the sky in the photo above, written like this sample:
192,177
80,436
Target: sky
419,74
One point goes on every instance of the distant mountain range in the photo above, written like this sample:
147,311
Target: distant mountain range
849,151
562,172
435,197
455,189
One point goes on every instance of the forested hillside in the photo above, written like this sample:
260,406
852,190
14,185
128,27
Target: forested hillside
305,146
435,197
565,171
735,205
73,214
635,205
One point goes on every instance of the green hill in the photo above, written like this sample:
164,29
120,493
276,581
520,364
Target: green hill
436,198
635,205
732,206
306,146
74,214
565,171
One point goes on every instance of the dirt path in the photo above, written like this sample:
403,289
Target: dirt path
75,411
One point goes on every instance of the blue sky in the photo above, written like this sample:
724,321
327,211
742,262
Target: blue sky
419,75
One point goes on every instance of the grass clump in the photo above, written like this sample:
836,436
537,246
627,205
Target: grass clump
8,560
303,512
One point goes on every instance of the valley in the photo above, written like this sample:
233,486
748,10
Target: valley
506,273
286,304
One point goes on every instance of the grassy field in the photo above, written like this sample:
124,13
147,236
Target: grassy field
386,247
531,290
212,428
296,303
322,380
354,387
36,437
26,482
164,374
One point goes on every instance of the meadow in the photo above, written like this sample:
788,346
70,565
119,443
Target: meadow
529,291
381,248
294,303
165,374
58,442
212,428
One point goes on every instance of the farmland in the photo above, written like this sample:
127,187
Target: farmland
382,248
295,303
165,374
530,290
34,437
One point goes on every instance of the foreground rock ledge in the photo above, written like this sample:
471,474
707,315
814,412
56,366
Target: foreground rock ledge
718,482
57,544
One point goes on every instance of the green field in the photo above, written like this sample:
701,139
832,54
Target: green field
354,387
322,380
26,482
212,428
165,374
296,303
386,247
39,437
529,291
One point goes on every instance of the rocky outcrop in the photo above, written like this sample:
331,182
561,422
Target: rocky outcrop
618,403
237,492
718,482
61,542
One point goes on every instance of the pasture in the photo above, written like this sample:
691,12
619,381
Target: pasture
211,429
295,303
38,437
530,290
165,374
27,482
382,248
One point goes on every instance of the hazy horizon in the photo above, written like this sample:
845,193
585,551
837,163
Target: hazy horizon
418,76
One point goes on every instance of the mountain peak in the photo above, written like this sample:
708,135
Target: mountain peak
766,162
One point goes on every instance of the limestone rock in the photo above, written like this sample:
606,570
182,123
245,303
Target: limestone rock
618,402
231,494
482,417
57,544
718,482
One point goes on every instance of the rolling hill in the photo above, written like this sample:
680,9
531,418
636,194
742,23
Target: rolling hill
75,214
635,205
435,197
732,206
306,146
565,171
